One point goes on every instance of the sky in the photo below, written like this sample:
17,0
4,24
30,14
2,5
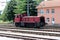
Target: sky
4,0
3,4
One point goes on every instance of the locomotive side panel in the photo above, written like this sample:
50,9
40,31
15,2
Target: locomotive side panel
31,19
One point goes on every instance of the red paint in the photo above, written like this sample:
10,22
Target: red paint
19,18
31,19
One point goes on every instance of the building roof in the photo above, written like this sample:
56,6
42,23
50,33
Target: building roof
49,3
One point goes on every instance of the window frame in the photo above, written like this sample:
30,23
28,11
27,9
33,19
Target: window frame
41,11
52,11
47,11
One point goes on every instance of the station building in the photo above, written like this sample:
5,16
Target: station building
50,9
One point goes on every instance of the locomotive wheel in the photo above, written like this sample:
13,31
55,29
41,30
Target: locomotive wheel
42,24
29,25
17,24
35,25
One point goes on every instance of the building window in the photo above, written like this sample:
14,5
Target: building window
53,11
53,19
47,20
47,11
41,11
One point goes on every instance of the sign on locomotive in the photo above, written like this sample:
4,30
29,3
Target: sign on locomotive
29,21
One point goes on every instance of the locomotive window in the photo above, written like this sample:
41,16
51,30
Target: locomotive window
17,16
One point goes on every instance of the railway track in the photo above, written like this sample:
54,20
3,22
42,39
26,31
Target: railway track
29,33
39,32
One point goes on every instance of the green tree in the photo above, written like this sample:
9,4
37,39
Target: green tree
33,4
38,1
32,8
11,7
20,6
4,14
8,13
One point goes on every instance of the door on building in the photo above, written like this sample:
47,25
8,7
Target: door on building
42,21
53,21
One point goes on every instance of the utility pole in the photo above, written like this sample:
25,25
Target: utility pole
28,8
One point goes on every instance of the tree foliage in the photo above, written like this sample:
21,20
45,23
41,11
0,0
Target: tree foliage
33,10
22,7
11,7
8,13
38,1
19,6
32,7
4,15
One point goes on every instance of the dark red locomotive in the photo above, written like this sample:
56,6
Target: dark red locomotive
29,21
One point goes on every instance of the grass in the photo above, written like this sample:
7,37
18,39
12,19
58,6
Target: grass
1,21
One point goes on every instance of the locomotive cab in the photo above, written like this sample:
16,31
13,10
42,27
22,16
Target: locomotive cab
17,19
42,21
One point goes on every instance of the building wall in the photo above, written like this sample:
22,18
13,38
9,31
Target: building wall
55,15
